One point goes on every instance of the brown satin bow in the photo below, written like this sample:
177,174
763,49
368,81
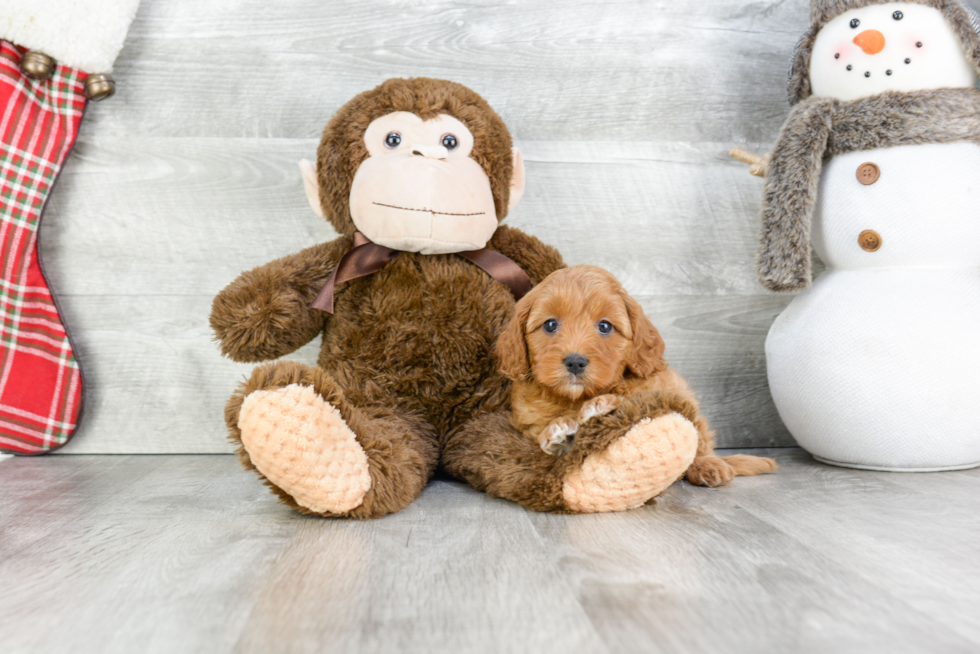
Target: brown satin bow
366,257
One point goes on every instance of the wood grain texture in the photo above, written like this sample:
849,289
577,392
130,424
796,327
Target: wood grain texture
556,70
147,216
624,112
190,553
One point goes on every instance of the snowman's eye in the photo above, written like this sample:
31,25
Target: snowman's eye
898,15
854,23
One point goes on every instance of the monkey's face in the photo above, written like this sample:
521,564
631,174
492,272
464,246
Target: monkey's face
419,190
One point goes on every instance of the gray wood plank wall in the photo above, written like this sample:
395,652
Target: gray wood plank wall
624,111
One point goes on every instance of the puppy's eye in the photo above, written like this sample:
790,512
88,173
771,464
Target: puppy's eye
605,327
550,325
393,140
449,142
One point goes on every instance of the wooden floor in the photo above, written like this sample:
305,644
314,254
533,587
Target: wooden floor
188,553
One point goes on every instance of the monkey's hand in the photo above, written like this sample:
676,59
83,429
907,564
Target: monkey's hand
265,314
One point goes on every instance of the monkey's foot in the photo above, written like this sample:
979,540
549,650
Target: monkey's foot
301,444
651,456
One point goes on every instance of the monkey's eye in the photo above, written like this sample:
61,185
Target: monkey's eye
449,141
898,15
393,140
855,22
605,327
550,325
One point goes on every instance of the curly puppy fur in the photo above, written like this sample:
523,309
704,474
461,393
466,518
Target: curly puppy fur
798,82
551,398
819,127
408,353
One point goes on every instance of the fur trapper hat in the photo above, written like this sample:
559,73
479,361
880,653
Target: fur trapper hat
964,21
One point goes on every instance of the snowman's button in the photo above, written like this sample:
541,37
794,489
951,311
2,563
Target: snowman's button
868,173
869,240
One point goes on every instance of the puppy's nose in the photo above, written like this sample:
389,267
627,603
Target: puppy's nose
575,363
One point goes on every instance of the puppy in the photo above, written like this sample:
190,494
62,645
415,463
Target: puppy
577,344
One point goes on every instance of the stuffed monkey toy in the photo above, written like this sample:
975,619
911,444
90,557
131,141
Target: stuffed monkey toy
416,175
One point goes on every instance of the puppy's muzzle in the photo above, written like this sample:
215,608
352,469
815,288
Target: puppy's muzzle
575,363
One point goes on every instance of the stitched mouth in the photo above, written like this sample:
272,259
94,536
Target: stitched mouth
440,213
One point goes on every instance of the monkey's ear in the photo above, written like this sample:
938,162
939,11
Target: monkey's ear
512,354
516,180
307,169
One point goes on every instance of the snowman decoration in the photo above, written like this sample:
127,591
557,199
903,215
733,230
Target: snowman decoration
877,364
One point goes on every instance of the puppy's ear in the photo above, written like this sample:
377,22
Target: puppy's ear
646,358
512,353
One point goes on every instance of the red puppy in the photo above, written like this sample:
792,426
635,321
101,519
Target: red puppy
576,345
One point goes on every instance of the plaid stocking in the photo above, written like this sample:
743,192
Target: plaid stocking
40,382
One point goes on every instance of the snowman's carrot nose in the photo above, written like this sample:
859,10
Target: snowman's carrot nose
871,41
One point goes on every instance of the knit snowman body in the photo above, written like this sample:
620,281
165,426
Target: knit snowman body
874,365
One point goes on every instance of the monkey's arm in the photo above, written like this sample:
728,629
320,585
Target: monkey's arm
264,313
537,259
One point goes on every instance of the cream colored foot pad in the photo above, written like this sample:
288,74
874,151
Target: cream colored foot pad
640,465
301,444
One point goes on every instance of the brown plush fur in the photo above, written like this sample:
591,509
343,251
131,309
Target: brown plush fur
492,455
818,127
822,11
621,363
399,467
411,343
407,354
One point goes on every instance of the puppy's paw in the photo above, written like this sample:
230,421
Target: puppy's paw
746,465
599,406
556,438
710,470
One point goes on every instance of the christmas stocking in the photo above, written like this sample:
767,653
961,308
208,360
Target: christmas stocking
47,52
